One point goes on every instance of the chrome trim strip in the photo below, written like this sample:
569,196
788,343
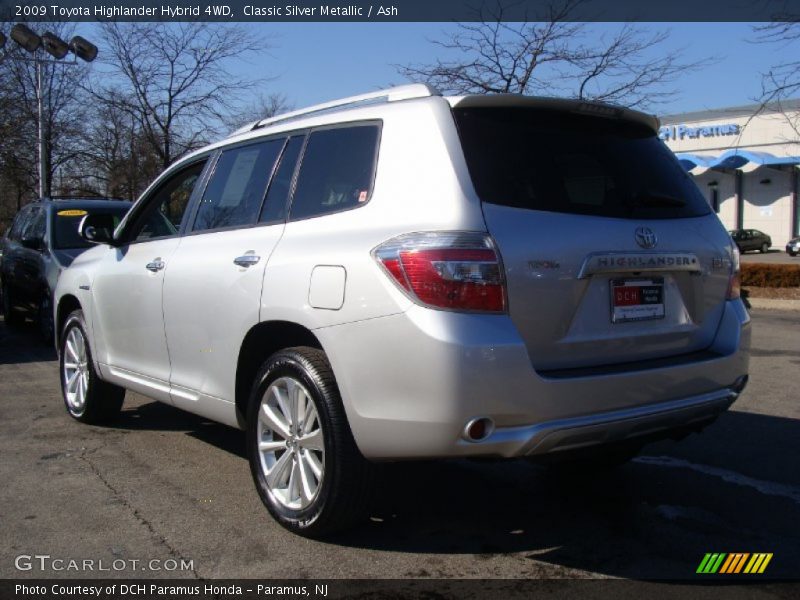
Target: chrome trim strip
635,262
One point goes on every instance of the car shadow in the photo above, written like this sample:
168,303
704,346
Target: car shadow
23,344
734,488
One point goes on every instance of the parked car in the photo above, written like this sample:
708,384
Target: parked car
42,241
402,275
751,239
793,246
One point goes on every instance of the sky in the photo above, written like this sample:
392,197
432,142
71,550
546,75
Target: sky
314,62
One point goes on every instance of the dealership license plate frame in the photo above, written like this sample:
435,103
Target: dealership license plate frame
643,311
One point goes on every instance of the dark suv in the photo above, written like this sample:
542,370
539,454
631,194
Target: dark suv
43,240
751,239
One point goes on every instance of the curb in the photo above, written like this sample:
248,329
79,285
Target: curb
774,304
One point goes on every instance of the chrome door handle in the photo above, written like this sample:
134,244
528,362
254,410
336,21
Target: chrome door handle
246,260
155,266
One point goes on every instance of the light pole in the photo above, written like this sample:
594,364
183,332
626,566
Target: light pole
58,49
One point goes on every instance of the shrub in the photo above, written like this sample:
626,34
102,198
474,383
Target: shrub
762,275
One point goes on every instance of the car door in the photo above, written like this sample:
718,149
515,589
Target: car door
12,254
127,288
213,286
31,258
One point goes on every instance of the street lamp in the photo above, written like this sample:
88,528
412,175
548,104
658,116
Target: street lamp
53,45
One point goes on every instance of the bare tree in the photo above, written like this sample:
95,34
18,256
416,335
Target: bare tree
173,80
263,107
65,111
554,56
782,80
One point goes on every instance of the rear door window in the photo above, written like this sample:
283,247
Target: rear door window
275,205
234,195
337,170
570,163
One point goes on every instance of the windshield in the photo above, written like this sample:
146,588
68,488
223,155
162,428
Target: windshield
67,220
564,162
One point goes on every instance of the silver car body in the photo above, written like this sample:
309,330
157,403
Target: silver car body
550,373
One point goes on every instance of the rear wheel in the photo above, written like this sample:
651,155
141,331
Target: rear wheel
764,248
305,464
87,397
10,316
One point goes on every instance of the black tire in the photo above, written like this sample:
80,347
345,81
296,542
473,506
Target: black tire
764,248
102,400
12,318
44,320
343,492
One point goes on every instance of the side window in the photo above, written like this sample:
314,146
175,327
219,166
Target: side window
336,172
280,186
165,209
34,225
236,190
19,224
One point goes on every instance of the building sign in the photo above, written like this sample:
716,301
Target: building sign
670,133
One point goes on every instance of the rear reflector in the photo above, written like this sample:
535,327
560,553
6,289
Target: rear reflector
450,270
735,281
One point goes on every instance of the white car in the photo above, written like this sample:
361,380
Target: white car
402,275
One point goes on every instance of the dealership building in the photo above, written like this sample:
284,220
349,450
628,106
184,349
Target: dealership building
746,161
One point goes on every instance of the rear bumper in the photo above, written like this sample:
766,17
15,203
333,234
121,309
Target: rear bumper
606,428
410,383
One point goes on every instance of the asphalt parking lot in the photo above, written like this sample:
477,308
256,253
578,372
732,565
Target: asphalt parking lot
162,484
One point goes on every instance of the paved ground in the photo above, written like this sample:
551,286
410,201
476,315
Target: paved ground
771,257
162,484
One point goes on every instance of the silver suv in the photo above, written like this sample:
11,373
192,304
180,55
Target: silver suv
402,275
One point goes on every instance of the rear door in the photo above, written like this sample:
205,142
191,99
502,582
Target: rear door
611,253
212,290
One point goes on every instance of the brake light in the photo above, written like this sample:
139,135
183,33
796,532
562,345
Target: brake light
450,270
735,281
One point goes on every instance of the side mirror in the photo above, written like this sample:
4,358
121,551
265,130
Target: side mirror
32,243
97,228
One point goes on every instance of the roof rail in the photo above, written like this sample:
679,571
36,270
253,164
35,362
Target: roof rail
401,92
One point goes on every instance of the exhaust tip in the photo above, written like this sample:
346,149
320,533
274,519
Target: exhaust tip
478,429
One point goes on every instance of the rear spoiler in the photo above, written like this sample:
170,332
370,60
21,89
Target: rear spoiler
586,107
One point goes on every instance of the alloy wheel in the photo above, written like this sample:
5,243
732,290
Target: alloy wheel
76,371
291,444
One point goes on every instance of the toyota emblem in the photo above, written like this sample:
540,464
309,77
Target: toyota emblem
646,238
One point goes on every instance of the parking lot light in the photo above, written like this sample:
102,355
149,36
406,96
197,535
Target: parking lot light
26,38
83,48
54,45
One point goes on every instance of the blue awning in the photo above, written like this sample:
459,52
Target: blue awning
744,160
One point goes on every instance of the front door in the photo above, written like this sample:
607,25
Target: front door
128,286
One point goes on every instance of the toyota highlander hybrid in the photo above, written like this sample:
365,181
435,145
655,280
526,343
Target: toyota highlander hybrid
402,275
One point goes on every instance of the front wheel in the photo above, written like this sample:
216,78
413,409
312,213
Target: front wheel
764,248
305,464
87,397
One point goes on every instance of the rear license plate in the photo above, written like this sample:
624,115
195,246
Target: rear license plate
637,299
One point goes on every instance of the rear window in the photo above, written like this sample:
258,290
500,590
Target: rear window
336,172
562,162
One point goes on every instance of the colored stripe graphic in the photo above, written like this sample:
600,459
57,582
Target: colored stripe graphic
735,562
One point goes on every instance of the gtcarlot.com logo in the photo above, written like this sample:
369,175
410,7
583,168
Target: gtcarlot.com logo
46,562
722,563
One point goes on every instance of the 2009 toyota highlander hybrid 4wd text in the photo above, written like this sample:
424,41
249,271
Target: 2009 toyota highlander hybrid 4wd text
402,275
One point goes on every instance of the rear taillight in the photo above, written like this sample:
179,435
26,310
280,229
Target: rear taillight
735,281
450,270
